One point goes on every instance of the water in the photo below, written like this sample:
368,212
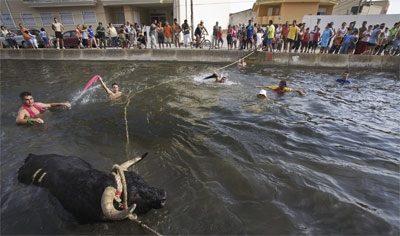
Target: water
325,163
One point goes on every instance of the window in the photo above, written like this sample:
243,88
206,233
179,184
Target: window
273,11
47,18
28,19
6,20
67,18
89,17
322,11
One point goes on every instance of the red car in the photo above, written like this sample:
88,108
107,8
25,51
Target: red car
70,39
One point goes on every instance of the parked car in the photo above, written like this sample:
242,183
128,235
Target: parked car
70,39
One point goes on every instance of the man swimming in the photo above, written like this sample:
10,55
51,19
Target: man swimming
282,88
344,79
114,93
241,64
218,78
30,111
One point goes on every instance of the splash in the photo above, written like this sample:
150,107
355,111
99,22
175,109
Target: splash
200,80
83,97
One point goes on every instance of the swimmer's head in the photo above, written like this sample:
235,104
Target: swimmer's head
282,83
27,98
345,74
115,88
262,94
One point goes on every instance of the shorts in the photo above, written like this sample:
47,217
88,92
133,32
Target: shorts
371,44
269,41
168,40
229,39
291,40
59,35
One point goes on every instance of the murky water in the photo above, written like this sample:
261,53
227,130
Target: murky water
325,163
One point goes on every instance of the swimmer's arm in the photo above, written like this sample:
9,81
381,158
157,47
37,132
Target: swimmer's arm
266,86
56,104
301,93
108,91
23,119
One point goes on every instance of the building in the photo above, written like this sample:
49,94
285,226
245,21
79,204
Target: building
241,17
361,7
280,11
322,21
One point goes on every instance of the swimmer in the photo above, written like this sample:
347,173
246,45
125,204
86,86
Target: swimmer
241,64
344,79
114,93
282,88
218,78
262,94
31,111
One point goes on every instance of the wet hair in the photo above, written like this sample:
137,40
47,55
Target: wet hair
24,94
114,84
282,83
41,29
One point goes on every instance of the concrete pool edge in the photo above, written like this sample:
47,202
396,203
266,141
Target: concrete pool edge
381,63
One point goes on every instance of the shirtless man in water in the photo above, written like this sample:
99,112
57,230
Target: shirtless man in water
31,111
218,78
114,93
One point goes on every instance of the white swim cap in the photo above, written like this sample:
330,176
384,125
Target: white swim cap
262,93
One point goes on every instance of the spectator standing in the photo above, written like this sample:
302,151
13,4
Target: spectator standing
373,39
160,35
92,39
285,32
176,28
278,39
153,34
337,40
132,36
349,42
249,35
229,37
292,35
85,37
325,38
9,37
78,33
219,38
58,30
44,37
363,42
168,34
270,35
186,34
214,39
101,35
234,36
112,32
305,40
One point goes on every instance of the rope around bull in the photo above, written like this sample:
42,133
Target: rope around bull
131,216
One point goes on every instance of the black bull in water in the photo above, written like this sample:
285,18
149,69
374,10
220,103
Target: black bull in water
87,193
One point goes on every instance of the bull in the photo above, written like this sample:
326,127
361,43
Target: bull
88,194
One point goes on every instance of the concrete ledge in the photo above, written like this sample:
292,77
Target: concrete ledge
383,63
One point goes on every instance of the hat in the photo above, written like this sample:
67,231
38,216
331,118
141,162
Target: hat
262,94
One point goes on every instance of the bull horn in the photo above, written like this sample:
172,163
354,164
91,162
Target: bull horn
124,166
107,206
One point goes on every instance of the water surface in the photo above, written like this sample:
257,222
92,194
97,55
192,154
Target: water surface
325,163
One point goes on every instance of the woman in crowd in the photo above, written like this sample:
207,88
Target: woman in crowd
160,35
325,38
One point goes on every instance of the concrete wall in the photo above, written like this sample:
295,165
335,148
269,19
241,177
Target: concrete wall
380,63
241,17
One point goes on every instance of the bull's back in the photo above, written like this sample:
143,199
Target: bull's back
71,180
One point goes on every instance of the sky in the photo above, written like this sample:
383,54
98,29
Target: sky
394,7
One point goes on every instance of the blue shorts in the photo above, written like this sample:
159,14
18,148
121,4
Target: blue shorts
269,41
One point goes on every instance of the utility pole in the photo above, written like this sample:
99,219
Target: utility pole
359,6
191,16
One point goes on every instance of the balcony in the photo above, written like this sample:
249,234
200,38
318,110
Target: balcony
59,3
330,2
264,20
135,2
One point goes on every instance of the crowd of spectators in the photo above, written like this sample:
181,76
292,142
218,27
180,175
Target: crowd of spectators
377,39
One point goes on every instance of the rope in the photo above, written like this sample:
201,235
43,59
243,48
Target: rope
132,216
235,62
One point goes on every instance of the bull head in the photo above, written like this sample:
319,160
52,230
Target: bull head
107,199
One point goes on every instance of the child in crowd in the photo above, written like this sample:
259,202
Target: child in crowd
85,37
122,38
44,37
304,40
92,39
219,37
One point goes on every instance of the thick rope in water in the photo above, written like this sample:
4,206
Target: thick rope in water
130,95
235,62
